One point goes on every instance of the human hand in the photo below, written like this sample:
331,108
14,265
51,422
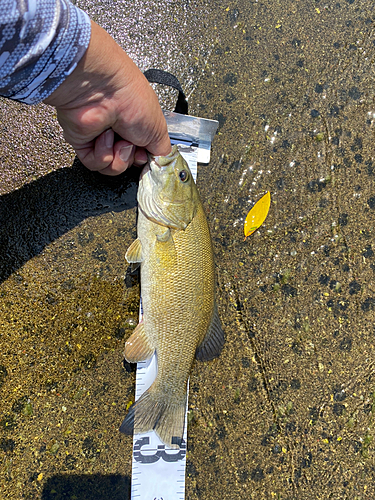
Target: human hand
108,111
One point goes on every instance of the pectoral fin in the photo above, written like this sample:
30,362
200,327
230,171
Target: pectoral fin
164,237
213,342
134,252
138,347
165,250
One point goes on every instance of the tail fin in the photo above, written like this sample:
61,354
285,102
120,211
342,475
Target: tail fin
156,411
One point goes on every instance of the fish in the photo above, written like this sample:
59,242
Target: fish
180,318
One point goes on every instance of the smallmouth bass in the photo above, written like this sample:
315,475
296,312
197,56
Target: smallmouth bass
180,319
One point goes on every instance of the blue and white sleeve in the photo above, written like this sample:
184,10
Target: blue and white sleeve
41,43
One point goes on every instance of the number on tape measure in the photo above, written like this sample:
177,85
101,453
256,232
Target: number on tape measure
160,453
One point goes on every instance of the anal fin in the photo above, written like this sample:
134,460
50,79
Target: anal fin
213,342
138,347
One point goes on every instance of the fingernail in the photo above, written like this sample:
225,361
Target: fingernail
125,152
140,157
109,138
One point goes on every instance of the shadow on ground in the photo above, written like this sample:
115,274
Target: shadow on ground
87,487
40,212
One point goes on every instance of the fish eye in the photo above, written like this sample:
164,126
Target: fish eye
183,175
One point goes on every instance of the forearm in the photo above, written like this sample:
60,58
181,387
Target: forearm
41,42
103,70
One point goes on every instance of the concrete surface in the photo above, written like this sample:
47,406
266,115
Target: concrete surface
287,412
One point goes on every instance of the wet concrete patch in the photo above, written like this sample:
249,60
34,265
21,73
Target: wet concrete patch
287,410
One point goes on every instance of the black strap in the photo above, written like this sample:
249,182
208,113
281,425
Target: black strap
159,76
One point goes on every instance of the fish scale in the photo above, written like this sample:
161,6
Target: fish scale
174,297
187,296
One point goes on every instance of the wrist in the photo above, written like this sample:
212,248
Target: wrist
108,94
95,77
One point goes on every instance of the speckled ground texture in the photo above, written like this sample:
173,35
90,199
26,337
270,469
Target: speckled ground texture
287,412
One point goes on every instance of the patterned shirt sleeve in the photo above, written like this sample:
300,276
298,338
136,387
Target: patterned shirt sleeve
41,43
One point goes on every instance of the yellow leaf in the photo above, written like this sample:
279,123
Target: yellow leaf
257,214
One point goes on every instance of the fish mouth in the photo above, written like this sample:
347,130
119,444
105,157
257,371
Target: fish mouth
159,163
156,171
